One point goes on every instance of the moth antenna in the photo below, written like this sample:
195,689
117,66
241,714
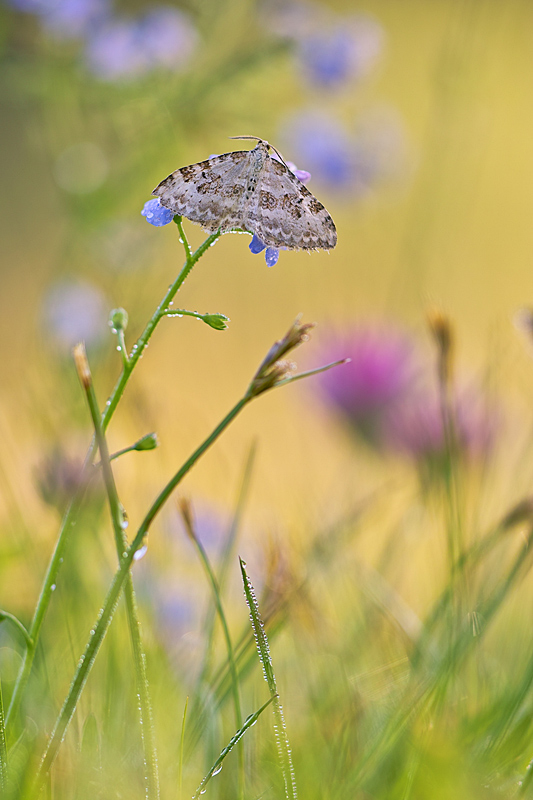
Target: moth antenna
258,139
246,136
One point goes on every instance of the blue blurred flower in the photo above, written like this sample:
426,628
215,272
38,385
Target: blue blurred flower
374,382
75,311
70,19
113,51
348,49
325,147
169,38
127,48
344,161
156,214
30,6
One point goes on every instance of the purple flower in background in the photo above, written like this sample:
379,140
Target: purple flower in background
70,19
156,214
169,38
348,49
127,48
390,398
344,161
58,476
75,311
416,427
374,382
327,149
114,52
30,6
291,19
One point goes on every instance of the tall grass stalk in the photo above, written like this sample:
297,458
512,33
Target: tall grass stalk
182,746
235,739
271,373
121,543
280,728
3,747
186,513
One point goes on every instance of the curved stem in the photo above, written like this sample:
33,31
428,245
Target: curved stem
99,630
5,615
139,658
71,513
215,588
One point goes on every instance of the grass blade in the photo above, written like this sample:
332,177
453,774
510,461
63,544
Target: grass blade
3,748
182,744
280,729
139,658
217,766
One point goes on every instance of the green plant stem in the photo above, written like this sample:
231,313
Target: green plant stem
3,748
105,616
122,347
182,744
5,615
139,658
182,312
140,345
209,625
282,739
71,513
217,766
229,647
526,782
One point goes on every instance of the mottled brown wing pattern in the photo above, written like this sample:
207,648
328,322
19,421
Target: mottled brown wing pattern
284,213
210,192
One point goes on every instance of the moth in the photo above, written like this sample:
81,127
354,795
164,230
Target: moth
251,191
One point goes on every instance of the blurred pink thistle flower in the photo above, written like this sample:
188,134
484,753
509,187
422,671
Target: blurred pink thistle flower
417,428
374,382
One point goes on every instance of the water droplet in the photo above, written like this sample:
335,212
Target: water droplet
217,770
53,587
119,348
140,552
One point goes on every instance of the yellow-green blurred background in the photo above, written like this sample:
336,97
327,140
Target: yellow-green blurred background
447,224
444,106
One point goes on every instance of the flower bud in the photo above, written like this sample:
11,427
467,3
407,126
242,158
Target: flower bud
217,321
148,442
118,320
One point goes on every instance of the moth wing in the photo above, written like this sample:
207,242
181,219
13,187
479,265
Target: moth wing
210,192
285,213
